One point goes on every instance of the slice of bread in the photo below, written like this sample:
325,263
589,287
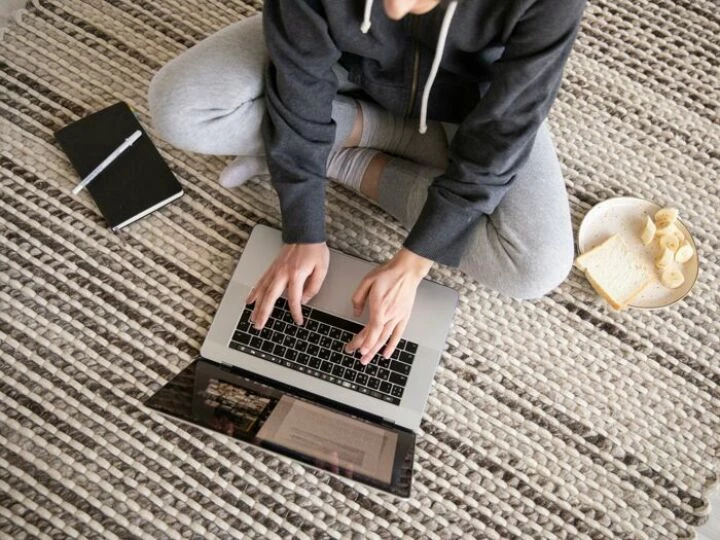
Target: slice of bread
616,273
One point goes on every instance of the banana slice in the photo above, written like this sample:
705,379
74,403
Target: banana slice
665,258
669,241
648,232
672,278
684,253
665,217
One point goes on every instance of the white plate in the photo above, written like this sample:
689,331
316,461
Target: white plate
624,216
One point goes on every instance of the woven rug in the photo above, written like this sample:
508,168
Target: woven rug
551,418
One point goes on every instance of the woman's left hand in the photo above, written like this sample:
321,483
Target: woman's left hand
389,291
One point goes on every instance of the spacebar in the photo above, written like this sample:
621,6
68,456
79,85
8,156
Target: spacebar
339,322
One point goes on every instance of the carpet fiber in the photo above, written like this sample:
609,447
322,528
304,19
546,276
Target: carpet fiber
552,418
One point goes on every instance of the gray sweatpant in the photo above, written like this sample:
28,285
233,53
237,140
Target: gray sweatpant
210,100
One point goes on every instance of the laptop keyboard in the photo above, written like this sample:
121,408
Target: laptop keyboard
317,348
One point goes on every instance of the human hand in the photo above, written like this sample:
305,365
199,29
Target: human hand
299,268
390,292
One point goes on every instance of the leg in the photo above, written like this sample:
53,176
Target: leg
525,248
209,98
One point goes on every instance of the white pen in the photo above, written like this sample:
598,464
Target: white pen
107,161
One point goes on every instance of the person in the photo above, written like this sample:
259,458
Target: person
435,110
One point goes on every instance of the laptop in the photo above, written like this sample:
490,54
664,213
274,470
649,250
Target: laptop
293,390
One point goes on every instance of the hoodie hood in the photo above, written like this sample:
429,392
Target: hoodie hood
439,49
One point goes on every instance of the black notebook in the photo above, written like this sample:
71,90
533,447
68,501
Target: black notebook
137,183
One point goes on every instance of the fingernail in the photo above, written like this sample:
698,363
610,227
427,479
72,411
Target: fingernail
298,322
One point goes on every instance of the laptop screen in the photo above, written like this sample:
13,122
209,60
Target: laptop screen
284,420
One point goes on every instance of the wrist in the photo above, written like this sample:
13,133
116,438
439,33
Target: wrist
412,262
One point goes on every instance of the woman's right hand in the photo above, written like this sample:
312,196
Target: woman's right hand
299,268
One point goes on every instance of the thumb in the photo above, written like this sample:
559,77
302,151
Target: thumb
360,296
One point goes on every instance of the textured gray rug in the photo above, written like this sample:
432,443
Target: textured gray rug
555,418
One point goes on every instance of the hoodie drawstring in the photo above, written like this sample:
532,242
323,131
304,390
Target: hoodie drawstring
439,49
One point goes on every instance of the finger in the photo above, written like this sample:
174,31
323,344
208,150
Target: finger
356,341
395,339
256,300
360,296
371,340
294,297
379,342
253,294
273,292
313,284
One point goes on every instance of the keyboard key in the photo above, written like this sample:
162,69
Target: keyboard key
411,347
357,366
313,350
303,334
396,354
326,366
305,311
314,363
397,391
406,357
326,342
346,337
371,369
291,355
279,351
312,325
256,343
277,337
245,315
385,387
279,326
324,354
281,303
349,375
314,338
266,333
267,346
400,367
397,378
301,346
338,371
383,362
347,361
337,345
242,338
335,333
289,341
287,317
291,329
303,359
383,374
324,329
361,379
374,383
401,344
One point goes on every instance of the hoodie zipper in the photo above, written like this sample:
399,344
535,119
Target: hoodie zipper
416,65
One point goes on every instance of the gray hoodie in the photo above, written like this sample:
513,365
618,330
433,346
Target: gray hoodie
493,66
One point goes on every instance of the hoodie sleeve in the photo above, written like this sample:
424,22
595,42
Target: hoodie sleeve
297,128
496,138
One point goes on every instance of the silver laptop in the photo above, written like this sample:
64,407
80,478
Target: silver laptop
293,390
